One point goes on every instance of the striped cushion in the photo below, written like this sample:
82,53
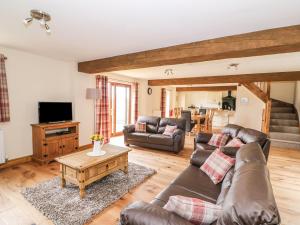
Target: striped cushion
169,130
218,140
140,127
235,142
217,165
195,210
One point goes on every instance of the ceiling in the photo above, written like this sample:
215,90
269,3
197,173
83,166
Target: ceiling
91,29
247,65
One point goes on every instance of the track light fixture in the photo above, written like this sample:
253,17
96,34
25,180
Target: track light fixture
41,16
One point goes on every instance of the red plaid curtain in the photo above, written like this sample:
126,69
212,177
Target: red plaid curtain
136,102
163,103
102,109
4,103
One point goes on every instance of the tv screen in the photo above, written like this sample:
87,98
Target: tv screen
55,112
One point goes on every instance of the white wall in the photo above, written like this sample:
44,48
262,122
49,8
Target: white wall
283,91
248,114
31,78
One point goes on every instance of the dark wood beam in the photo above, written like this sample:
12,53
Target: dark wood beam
209,88
243,78
265,42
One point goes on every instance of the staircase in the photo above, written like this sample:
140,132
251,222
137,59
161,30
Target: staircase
284,126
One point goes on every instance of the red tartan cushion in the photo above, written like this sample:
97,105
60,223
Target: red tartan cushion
169,130
140,127
217,165
235,142
195,210
218,140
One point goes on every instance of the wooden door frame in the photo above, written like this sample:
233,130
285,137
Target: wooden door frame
115,84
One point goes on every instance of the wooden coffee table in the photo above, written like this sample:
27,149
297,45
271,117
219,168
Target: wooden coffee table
81,170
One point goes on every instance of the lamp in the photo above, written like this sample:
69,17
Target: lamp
93,94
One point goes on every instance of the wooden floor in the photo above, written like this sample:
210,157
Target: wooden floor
284,166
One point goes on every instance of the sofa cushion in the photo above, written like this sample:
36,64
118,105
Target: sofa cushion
151,121
160,139
140,137
199,157
235,142
195,210
140,127
232,130
180,123
203,186
217,165
202,146
169,130
218,140
248,135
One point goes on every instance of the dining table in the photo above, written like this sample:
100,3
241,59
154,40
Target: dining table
198,118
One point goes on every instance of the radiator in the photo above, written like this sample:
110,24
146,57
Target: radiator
2,152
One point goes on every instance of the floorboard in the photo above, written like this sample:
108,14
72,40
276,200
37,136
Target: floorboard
284,165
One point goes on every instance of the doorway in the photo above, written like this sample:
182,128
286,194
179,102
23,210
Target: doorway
120,106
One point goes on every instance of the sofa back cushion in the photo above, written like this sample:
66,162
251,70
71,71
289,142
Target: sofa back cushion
232,130
180,123
248,135
250,198
151,123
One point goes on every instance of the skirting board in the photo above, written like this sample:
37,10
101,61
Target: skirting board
28,158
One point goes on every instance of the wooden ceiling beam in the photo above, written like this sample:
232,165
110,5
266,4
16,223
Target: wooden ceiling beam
243,78
208,88
265,42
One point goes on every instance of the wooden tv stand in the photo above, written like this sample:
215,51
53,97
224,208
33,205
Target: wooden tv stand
51,140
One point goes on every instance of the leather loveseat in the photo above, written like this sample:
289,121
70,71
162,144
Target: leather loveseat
245,194
154,138
246,135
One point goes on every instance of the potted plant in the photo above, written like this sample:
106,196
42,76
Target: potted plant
98,142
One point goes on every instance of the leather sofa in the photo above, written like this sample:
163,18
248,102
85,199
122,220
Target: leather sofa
154,138
246,135
245,194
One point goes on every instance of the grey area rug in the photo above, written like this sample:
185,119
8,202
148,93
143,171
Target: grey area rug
64,206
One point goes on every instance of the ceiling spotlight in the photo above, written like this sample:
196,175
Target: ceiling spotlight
41,16
233,66
27,20
48,30
169,72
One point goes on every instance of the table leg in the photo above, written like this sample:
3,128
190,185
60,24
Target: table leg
81,181
125,169
81,191
62,175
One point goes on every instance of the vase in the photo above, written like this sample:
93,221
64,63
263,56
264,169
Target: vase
97,149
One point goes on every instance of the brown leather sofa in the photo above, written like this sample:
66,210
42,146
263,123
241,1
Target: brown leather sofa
245,194
246,135
154,138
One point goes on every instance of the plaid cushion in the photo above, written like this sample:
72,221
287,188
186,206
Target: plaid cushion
217,165
194,210
140,127
235,142
169,130
218,140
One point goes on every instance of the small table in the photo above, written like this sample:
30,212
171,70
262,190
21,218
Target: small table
81,170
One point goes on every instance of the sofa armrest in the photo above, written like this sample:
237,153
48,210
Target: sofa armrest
142,213
199,156
203,138
178,132
230,151
129,128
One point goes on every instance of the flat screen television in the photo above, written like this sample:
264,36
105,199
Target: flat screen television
51,112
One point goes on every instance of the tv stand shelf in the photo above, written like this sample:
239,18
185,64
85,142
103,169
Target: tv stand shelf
51,140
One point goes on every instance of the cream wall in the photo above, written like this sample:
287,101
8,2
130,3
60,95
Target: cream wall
248,114
31,78
283,91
